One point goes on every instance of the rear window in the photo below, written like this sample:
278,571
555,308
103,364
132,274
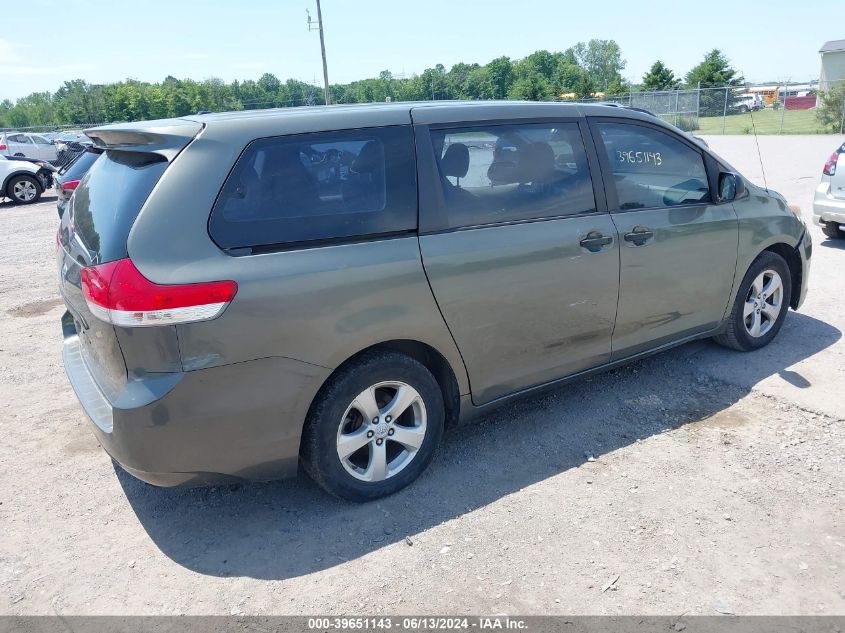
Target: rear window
321,186
77,168
108,200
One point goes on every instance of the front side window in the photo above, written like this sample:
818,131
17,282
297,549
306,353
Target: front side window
512,172
651,168
40,140
326,185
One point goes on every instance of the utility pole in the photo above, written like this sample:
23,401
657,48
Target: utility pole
319,27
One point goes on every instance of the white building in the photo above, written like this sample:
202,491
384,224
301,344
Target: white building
833,64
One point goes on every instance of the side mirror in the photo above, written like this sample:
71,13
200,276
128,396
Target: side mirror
731,186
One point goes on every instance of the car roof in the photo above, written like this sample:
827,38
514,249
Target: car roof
339,115
242,127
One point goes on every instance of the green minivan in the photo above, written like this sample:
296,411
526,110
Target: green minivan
332,287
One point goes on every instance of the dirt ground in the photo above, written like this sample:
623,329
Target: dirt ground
698,481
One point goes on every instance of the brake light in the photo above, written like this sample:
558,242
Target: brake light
118,293
830,165
70,185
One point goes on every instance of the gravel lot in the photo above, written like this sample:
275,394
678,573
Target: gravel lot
698,481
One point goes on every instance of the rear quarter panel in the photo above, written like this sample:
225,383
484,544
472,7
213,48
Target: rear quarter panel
318,305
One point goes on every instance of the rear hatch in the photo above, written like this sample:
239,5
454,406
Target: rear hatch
95,227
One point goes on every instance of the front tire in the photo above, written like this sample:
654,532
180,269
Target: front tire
374,427
832,230
760,305
24,189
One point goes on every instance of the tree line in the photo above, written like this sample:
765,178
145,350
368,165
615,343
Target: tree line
581,71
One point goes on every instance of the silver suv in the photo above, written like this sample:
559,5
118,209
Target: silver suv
335,286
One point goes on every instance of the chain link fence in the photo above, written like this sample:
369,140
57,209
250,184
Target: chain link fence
788,108
58,145
767,109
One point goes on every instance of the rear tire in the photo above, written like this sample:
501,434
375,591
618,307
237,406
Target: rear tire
760,305
24,189
832,230
353,456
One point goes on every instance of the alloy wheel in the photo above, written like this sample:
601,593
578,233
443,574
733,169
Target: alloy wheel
24,191
381,431
763,304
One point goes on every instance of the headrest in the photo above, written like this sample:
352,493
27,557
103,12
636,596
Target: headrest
455,161
278,157
369,159
536,162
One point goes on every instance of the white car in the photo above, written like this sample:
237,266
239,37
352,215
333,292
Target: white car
748,102
27,145
829,201
24,180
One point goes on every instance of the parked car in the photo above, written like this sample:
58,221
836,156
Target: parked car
68,177
27,145
829,200
23,180
749,102
335,286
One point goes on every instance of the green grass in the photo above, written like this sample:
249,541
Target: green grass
766,121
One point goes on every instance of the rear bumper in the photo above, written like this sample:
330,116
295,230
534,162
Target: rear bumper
827,208
224,424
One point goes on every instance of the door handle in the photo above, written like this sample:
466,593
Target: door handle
595,241
639,236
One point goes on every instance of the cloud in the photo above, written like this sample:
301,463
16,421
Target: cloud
8,70
248,65
7,52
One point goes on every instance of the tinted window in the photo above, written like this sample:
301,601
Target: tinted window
505,173
108,200
19,138
79,166
327,185
652,168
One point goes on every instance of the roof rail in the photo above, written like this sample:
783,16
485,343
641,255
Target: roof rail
627,107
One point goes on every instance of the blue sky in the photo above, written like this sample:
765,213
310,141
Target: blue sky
150,39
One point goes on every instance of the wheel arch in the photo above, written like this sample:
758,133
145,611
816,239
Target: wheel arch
20,172
793,262
425,354
783,242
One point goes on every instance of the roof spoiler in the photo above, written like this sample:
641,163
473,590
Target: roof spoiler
165,137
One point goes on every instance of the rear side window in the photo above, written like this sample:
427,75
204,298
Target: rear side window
77,168
512,172
108,200
320,186
651,168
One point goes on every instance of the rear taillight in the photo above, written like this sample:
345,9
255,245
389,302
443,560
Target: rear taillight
3,147
70,185
830,165
118,293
